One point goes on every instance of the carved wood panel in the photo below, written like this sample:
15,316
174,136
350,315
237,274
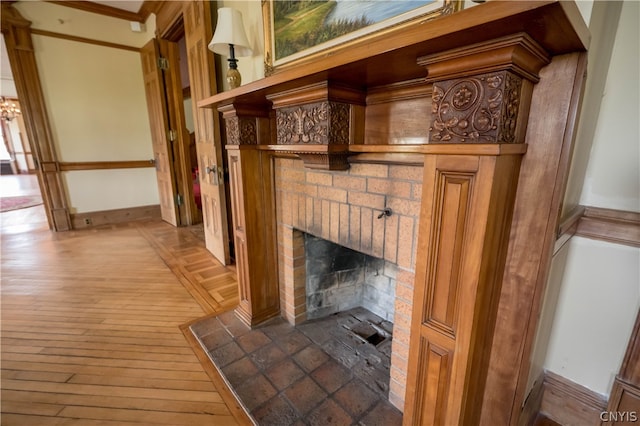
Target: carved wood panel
241,131
315,123
478,109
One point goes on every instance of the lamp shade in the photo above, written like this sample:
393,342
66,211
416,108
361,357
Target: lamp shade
230,30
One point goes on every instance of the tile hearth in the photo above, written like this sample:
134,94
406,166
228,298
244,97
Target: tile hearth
321,372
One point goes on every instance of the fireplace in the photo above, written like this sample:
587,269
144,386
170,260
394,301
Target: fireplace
339,279
478,130
341,212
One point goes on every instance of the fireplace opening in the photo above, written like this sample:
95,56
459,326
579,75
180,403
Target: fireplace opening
339,279
350,302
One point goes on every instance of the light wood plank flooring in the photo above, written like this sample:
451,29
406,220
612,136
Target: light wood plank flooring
92,328
22,220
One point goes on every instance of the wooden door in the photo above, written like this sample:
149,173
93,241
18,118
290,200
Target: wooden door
179,141
197,25
159,121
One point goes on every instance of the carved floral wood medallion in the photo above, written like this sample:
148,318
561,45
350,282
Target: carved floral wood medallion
316,123
478,109
241,131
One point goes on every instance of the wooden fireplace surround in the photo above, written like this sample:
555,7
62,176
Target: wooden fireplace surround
488,98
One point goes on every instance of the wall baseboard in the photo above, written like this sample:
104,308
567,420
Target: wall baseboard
533,403
569,403
110,217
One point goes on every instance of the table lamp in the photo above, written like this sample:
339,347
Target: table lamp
230,39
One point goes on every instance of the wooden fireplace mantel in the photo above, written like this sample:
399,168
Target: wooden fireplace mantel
486,101
391,57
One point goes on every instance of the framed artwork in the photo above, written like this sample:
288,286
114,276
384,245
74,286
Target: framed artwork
298,30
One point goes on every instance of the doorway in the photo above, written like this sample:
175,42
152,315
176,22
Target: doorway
21,204
179,103
187,143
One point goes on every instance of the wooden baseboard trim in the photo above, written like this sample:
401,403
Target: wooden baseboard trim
533,403
615,226
569,403
110,217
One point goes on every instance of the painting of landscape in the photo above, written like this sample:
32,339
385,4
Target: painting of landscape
299,25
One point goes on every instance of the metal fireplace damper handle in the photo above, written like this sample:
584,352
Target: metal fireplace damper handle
386,212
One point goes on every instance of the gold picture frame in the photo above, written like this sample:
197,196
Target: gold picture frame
273,63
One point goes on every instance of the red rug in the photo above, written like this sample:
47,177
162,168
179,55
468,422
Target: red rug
15,203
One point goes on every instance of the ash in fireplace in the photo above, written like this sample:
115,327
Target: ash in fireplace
358,339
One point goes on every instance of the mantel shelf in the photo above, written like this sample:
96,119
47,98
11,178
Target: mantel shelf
434,149
391,57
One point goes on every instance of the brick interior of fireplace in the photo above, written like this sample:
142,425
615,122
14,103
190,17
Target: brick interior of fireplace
339,279
344,207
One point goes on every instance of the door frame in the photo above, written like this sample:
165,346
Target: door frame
181,167
17,35
170,25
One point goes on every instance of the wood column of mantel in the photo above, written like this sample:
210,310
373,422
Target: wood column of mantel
481,94
250,175
554,112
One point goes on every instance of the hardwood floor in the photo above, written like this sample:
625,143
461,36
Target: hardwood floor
22,220
92,328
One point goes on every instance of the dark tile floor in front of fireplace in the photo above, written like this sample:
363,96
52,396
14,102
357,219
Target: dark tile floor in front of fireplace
317,373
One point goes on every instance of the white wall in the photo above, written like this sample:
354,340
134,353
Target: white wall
7,86
593,293
67,20
95,99
597,307
613,175
251,68
96,104
98,190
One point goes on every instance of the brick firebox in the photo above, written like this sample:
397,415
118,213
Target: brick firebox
343,207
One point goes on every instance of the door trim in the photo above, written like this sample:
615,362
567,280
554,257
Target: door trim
17,34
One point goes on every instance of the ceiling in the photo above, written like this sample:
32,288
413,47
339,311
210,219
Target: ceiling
129,10
129,6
